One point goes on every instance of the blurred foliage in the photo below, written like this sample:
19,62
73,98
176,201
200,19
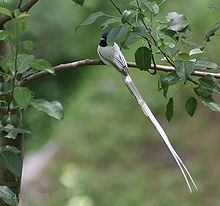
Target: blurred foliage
110,154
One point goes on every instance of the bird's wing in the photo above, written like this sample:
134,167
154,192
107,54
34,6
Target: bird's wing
113,56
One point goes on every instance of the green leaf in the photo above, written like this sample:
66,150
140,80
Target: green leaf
7,64
184,56
19,15
5,88
143,4
141,31
205,62
112,36
152,7
208,82
192,44
28,72
169,79
123,32
165,88
53,109
92,18
3,35
10,119
11,134
203,92
128,16
195,51
110,22
133,5
184,68
172,52
19,130
143,58
22,96
129,41
170,33
10,159
28,45
42,64
211,31
22,15
9,148
23,62
80,2
8,196
184,34
209,102
169,44
5,11
191,105
12,131
157,36
117,33
169,109
12,125
176,22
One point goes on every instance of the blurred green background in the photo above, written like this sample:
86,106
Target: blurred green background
105,152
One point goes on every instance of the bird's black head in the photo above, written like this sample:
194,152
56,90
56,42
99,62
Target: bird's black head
103,39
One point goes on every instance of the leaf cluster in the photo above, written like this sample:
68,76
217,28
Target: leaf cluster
17,68
14,69
169,38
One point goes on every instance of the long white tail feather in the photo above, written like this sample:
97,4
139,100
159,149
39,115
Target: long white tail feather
131,86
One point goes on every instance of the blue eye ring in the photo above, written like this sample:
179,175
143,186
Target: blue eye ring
103,39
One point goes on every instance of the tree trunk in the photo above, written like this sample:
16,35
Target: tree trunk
6,177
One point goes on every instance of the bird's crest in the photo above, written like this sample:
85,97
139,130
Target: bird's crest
104,36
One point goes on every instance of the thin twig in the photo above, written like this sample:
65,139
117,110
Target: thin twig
191,80
25,8
148,40
154,41
28,5
119,10
171,69
90,62
113,3
167,57
150,46
161,3
153,59
15,66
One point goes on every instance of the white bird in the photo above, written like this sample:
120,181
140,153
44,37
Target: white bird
111,55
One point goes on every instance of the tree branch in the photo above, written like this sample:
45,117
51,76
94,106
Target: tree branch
19,4
90,62
113,3
26,7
